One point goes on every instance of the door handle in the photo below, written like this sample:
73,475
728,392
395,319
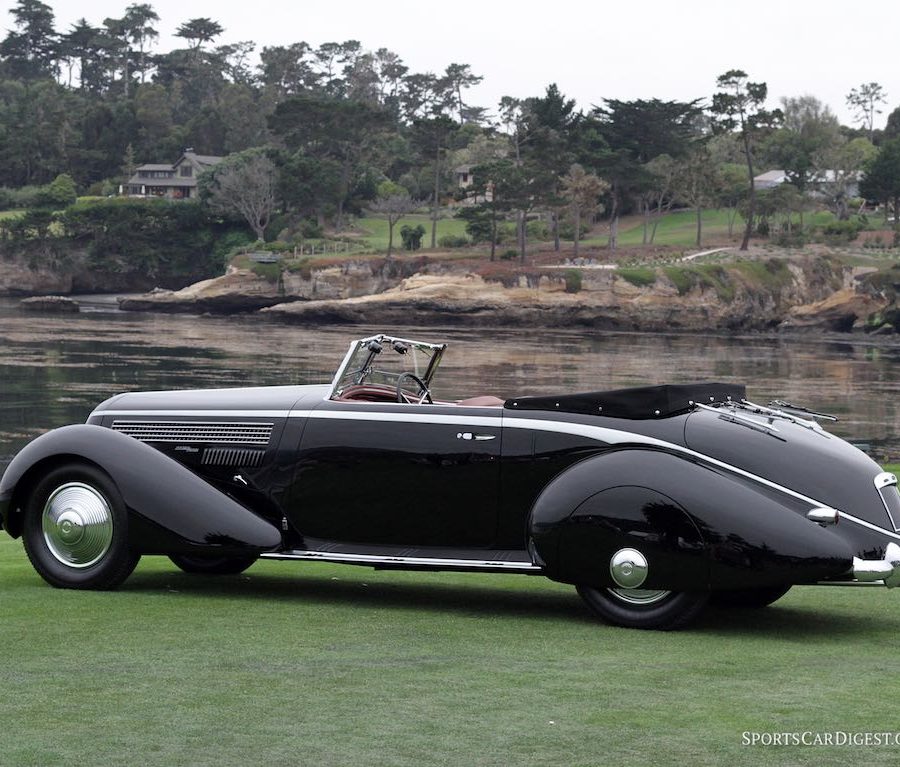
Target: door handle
476,437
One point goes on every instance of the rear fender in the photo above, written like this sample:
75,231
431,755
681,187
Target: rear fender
698,526
173,509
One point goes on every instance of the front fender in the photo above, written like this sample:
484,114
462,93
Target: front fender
173,509
699,527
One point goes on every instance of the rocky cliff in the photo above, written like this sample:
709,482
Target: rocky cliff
753,294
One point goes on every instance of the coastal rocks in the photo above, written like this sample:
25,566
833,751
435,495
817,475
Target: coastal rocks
54,304
16,278
467,299
243,290
238,290
843,311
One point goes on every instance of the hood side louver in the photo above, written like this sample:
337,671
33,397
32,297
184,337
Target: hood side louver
232,456
209,432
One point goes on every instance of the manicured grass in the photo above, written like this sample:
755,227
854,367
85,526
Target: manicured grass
677,228
11,213
319,664
375,230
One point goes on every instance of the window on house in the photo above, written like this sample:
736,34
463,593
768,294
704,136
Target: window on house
187,171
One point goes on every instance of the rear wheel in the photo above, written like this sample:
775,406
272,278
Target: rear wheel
644,608
748,598
199,564
76,529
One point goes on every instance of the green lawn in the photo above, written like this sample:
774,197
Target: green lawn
375,230
319,664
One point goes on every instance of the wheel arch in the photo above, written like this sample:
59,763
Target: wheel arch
171,505
700,526
26,483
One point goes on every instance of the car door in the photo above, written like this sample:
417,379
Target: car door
399,474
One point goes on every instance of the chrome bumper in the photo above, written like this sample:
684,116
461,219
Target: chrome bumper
873,572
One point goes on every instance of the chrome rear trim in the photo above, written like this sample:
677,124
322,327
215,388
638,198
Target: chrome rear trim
374,560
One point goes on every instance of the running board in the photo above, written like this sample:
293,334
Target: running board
410,563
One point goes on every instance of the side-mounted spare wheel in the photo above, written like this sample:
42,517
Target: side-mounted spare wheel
76,529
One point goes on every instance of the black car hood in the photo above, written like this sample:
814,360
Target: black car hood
263,398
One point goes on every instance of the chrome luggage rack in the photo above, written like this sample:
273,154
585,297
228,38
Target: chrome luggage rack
777,409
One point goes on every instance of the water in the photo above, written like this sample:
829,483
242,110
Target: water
55,368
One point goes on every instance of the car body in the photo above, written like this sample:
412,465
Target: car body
652,500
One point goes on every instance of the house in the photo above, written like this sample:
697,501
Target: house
463,175
770,179
177,181
818,182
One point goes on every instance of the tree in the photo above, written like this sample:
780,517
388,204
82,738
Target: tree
696,183
843,164
199,31
582,190
30,51
432,136
243,183
656,197
738,106
459,77
864,101
138,25
892,129
881,180
394,203
808,133
346,133
118,35
83,45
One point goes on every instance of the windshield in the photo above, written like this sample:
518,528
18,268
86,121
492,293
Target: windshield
382,360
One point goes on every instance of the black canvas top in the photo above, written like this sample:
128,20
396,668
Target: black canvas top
640,402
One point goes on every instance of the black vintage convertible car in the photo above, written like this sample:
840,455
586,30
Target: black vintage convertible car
652,501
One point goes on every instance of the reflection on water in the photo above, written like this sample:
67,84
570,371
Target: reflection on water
54,369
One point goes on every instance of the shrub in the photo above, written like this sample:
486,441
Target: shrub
453,241
269,272
411,236
840,232
573,278
537,230
639,276
58,193
510,255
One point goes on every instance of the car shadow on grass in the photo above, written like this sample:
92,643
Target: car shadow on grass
777,620
359,592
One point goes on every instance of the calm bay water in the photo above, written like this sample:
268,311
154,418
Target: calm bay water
55,368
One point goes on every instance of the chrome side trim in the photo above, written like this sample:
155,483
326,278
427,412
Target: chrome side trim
193,413
377,559
884,479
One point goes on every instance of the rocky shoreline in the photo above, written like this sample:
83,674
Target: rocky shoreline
806,294
767,294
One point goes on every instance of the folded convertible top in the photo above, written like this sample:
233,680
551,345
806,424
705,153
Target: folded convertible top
640,402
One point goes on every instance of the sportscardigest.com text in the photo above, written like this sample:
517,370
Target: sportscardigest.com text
811,738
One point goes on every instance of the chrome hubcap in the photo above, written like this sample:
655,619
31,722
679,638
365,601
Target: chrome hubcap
77,524
641,596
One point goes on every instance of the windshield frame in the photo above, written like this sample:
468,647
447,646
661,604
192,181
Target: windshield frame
358,362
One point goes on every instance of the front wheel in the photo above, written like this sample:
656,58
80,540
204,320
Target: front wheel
76,529
645,608
198,564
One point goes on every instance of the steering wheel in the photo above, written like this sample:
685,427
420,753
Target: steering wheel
423,389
